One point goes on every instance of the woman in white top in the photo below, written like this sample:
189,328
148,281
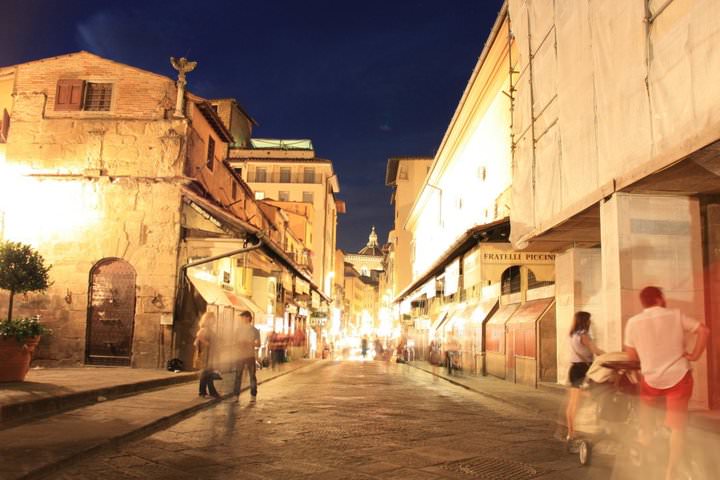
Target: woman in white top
582,350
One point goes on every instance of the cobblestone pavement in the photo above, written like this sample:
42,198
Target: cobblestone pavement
351,420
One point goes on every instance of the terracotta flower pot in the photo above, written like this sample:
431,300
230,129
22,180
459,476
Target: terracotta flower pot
15,358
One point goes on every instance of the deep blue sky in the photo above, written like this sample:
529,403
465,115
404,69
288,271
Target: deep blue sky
365,80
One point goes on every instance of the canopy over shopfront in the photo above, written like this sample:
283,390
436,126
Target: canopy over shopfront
224,220
498,231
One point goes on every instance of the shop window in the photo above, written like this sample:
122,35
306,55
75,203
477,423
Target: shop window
510,280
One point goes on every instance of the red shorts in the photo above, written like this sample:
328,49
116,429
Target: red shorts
676,399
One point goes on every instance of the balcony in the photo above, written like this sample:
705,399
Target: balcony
280,177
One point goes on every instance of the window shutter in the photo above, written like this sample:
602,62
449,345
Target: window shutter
69,94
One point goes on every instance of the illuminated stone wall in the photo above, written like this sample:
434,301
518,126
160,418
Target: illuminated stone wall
103,185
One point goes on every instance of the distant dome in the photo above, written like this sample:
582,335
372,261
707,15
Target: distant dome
372,248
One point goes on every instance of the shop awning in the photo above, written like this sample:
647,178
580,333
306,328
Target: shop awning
246,303
223,217
482,310
503,314
497,231
531,312
212,293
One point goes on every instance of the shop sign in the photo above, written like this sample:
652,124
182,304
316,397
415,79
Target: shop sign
516,258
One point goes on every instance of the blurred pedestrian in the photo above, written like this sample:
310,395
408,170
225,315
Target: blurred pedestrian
364,346
656,337
248,340
275,344
201,358
378,349
582,350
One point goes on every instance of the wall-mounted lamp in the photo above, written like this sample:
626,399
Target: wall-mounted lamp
68,297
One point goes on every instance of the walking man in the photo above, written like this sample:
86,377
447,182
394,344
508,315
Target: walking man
248,340
655,337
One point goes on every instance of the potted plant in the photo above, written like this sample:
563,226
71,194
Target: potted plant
22,270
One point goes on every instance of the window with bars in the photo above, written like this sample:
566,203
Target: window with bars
308,197
98,96
77,95
284,196
211,154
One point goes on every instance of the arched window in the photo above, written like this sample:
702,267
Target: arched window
510,280
533,282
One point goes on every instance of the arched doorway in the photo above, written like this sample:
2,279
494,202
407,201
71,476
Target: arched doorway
111,313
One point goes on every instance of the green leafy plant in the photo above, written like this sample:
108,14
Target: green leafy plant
23,328
22,270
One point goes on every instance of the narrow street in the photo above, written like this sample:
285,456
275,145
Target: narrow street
349,420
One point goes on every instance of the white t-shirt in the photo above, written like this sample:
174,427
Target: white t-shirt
658,335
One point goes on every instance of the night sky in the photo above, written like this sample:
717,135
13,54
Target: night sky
364,80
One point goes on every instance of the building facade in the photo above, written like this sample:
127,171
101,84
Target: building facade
469,290
615,128
134,205
289,171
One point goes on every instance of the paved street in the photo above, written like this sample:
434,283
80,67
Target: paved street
349,420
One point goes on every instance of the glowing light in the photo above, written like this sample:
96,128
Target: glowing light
41,210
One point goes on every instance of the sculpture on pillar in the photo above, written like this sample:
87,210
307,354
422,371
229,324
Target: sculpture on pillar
183,66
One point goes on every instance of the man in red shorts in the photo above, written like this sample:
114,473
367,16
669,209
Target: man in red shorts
655,337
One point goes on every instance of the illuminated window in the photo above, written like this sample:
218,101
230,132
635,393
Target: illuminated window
259,195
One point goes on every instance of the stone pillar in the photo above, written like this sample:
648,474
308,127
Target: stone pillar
578,286
652,240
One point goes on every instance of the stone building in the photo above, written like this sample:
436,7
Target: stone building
120,179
